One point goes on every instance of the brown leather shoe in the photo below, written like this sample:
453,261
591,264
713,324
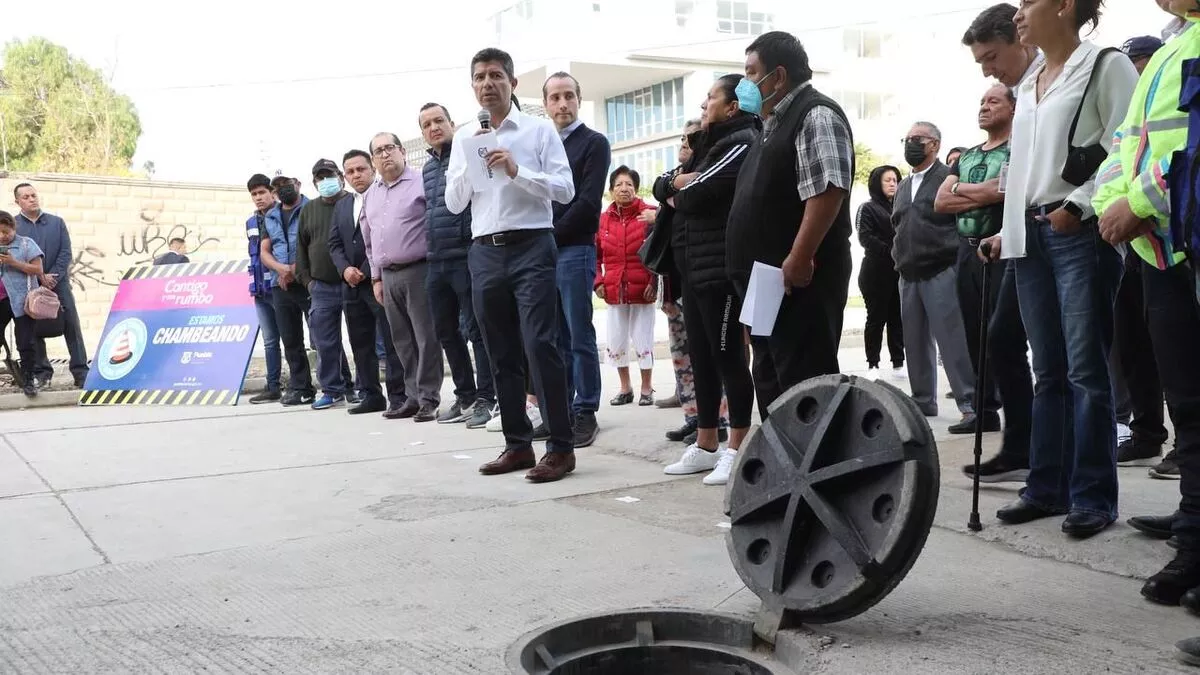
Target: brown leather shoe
554,466
408,409
509,461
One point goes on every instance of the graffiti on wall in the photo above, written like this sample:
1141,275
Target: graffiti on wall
91,267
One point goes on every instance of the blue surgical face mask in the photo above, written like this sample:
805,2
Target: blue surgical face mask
750,98
329,187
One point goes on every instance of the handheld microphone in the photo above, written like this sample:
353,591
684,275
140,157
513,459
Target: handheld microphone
485,119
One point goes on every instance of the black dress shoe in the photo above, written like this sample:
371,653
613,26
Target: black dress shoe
1171,583
1081,525
1022,511
426,413
682,432
1158,527
408,409
991,423
1191,600
368,405
541,432
1189,651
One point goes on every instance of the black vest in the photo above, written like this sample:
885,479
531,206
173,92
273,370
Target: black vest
767,209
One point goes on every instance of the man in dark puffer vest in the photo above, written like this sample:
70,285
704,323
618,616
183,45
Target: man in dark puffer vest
449,280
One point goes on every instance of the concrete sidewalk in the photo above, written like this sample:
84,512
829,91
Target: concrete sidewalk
271,540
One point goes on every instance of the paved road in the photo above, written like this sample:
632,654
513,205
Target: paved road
264,540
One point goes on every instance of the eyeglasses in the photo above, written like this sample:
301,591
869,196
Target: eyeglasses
384,150
916,139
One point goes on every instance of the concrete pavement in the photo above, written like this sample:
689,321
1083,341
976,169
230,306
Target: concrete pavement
272,540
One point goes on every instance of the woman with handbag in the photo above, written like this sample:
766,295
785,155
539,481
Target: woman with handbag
623,281
1067,276
20,268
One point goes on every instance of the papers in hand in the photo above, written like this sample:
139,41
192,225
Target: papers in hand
475,149
763,297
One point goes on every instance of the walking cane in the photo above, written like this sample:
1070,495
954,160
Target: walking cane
981,382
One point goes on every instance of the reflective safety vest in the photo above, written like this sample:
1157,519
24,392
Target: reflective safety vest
1154,132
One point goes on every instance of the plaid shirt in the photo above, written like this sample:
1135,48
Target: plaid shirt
824,153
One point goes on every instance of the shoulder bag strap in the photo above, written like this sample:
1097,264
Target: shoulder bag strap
1083,99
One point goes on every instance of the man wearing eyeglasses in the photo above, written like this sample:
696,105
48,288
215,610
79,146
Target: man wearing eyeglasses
394,230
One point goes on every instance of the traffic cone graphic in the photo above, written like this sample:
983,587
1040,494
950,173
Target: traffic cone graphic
123,352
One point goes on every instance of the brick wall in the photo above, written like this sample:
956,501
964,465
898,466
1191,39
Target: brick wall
118,223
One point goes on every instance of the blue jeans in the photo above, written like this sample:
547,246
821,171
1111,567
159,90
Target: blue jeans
576,275
325,325
269,333
1067,285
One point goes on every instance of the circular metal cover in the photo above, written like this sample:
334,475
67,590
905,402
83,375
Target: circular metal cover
832,498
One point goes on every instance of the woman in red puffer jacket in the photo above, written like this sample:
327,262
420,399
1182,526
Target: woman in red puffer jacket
625,284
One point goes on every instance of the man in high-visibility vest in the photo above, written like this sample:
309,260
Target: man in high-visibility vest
1138,204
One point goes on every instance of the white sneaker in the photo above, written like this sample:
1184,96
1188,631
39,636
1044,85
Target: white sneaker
495,424
1124,433
720,474
534,414
694,460
900,373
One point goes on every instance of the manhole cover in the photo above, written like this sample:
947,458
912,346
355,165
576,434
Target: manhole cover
650,641
832,498
830,503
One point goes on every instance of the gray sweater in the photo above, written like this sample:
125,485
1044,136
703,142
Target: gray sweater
926,242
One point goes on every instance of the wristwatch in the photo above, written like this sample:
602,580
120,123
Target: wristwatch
1073,209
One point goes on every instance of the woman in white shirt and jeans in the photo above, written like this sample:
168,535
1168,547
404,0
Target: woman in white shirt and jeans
1067,276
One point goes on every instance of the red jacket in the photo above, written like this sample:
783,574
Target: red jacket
618,267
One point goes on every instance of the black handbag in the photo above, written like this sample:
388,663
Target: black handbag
1083,161
50,328
655,251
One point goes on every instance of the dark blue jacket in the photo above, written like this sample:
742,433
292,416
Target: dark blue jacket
589,154
448,234
346,244
50,233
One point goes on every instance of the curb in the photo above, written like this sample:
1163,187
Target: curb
70,397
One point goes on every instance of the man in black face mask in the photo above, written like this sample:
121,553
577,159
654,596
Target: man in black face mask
280,246
925,251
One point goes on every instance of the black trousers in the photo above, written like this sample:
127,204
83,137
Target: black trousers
365,320
969,273
1174,320
880,287
1137,390
26,337
718,354
290,308
1008,358
72,334
807,334
515,295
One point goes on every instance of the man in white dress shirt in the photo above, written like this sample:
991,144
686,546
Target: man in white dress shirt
522,169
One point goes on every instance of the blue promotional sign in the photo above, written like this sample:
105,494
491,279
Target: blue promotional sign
175,335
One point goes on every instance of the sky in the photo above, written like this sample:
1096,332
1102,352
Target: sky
225,89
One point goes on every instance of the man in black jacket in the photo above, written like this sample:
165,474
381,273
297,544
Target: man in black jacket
792,211
365,318
575,227
926,251
449,281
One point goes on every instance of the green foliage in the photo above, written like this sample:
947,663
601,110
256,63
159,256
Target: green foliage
60,115
865,159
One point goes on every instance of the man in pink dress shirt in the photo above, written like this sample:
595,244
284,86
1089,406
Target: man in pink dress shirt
393,226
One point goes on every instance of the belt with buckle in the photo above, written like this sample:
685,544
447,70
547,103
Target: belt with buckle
510,237
1043,210
396,267
973,242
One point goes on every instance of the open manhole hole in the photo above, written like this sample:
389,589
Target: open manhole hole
830,503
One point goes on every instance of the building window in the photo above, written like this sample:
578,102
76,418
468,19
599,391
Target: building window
736,18
651,111
859,105
863,44
649,164
683,12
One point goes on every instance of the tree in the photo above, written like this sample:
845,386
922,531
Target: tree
148,169
62,115
865,159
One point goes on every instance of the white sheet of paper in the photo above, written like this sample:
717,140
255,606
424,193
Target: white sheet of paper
475,148
764,294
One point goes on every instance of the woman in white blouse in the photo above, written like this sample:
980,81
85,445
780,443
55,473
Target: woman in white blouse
1067,276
